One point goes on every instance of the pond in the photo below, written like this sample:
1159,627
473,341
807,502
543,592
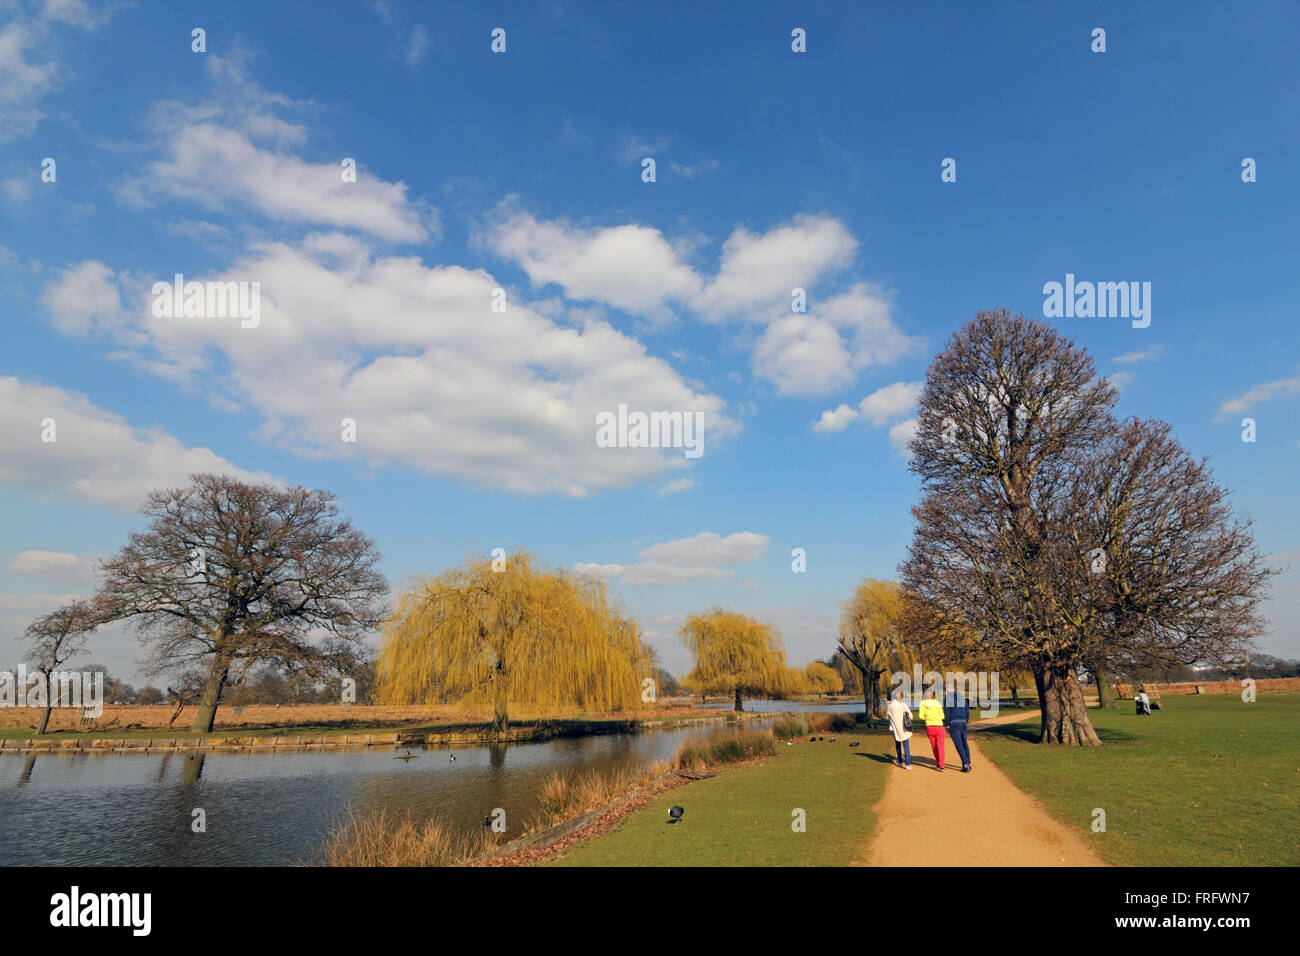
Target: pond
271,809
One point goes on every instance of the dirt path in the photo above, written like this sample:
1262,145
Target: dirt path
981,818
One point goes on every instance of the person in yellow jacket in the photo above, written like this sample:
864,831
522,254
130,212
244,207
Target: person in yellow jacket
932,713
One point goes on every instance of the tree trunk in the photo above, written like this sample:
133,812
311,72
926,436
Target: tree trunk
1105,694
501,697
1013,691
866,700
45,718
1060,700
740,705
211,699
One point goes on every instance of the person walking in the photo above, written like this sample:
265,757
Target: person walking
932,714
956,713
900,722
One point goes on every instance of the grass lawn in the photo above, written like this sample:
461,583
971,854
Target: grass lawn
1206,781
743,816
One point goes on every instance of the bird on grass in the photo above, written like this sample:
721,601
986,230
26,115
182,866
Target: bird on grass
854,744
675,814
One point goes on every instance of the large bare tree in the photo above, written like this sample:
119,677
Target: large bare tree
1018,452
231,574
1007,406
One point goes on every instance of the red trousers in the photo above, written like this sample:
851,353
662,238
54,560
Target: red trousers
936,743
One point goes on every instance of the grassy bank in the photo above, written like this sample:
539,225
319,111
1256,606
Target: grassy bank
743,816
1206,781
286,725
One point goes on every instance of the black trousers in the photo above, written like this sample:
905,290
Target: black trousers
957,731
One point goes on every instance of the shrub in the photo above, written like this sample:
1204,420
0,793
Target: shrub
831,723
380,839
722,748
787,726
566,794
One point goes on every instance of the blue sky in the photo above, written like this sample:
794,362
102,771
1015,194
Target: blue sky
522,171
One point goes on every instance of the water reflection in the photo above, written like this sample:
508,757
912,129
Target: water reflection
266,809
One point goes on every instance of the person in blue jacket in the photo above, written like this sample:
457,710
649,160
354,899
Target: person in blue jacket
956,714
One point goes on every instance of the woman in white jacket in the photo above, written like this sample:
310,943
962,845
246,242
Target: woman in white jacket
899,715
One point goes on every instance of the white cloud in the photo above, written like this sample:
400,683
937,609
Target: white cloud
628,267
901,434
691,171
748,584
885,404
85,300
18,189
1139,355
69,571
229,151
633,149
417,45
758,271
707,548
599,570
97,456
1280,388
113,645
24,80
701,557
676,485
653,574
41,562
881,406
808,635
637,269
442,384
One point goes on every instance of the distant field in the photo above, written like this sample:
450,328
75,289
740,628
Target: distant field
1206,781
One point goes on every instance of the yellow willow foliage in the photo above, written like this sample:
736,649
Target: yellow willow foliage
872,628
823,679
525,634
732,653
794,683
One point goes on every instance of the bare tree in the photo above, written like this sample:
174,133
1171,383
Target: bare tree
1006,405
231,574
57,637
1030,485
1156,570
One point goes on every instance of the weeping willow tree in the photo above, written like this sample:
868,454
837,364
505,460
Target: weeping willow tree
734,654
873,636
508,631
823,679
